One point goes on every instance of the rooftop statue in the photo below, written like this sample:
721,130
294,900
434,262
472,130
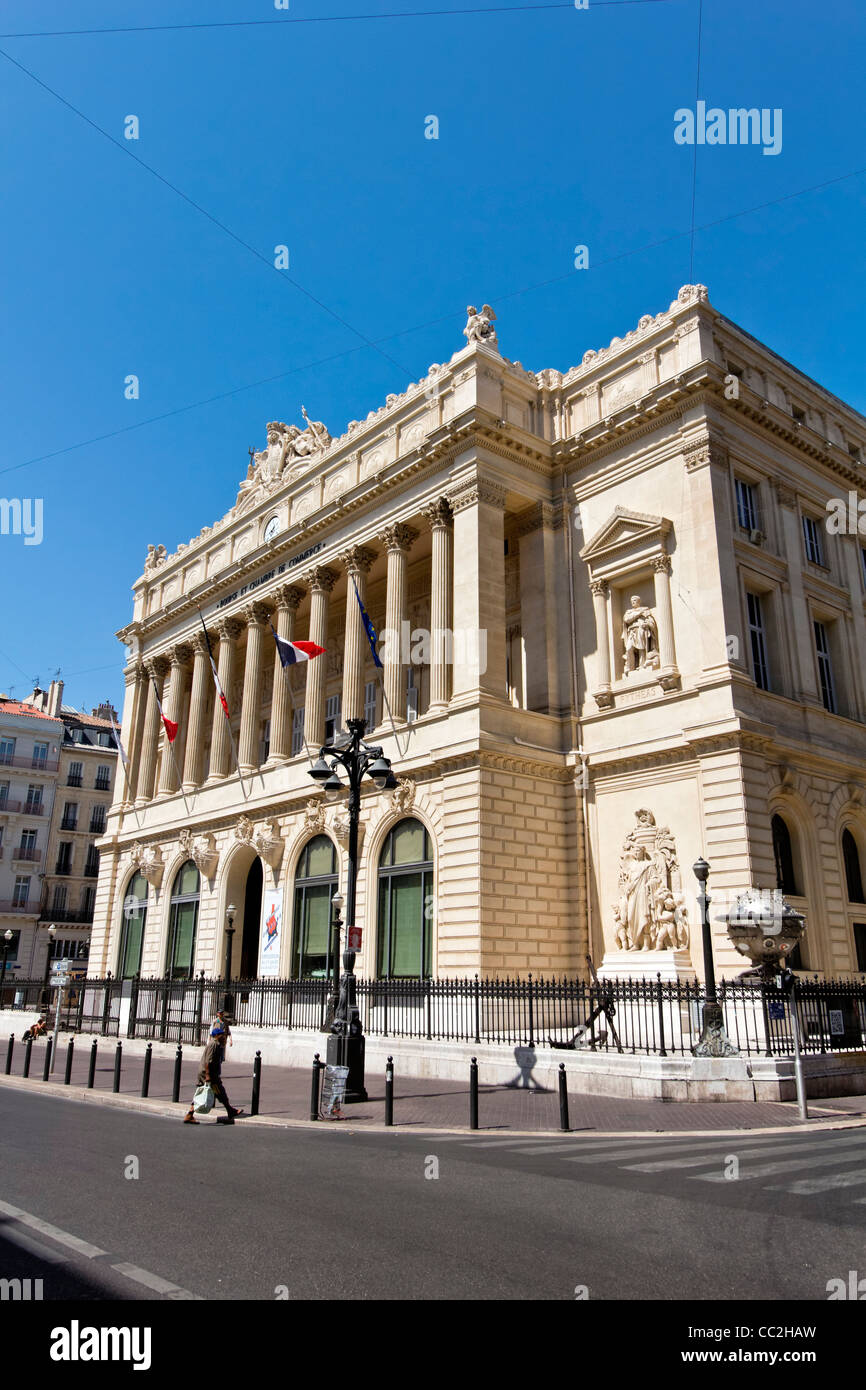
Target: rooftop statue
479,327
289,452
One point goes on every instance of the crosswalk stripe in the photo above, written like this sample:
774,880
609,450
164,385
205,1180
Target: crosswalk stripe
757,1152
772,1170
809,1187
678,1146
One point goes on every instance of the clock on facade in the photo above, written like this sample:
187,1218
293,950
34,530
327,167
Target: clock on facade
272,528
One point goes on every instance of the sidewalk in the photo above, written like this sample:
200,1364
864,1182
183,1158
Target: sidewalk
418,1104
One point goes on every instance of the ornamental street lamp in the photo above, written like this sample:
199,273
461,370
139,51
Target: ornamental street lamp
46,994
714,1041
334,961
228,997
346,1044
7,941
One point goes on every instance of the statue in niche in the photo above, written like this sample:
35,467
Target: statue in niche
640,637
650,914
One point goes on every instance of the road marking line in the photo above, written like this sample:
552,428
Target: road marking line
152,1281
771,1170
808,1187
82,1247
758,1152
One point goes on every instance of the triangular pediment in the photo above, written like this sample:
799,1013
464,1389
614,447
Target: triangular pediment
622,529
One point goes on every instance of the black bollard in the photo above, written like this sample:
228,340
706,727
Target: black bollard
389,1091
46,1066
118,1057
145,1076
28,1048
10,1048
563,1099
70,1048
178,1063
314,1088
257,1084
473,1093
91,1070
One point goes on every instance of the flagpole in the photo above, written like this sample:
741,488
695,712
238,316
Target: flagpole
224,702
286,670
123,764
170,742
379,669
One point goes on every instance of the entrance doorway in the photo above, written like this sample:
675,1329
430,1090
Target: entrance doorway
252,919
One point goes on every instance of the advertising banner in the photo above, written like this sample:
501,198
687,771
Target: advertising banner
271,932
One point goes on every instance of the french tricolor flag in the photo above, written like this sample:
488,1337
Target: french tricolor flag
292,652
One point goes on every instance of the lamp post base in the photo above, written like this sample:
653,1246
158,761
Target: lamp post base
349,1052
714,1041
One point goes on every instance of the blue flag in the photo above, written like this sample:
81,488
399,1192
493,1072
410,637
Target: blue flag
372,638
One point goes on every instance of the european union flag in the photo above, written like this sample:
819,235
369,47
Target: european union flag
372,638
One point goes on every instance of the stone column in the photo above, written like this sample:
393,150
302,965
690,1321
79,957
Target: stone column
358,562
398,541
156,670
438,514
320,581
220,745
288,600
668,673
538,606
602,692
173,707
201,681
256,616
479,590
135,701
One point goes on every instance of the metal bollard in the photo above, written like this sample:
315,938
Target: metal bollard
178,1063
257,1084
314,1088
563,1099
118,1057
91,1070
145,1075
389,1091
473,1093
10,1048
46,1066
70,1048
28,1048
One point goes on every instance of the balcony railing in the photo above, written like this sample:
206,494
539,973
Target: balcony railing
74,780
102,786
63,867
34,808
69,824
97,827
10,807
91,869
28,852
34,764
13,905
83,915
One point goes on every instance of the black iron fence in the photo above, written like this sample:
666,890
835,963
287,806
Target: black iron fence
654,1017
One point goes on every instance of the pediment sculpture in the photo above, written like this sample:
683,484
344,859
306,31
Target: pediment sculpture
149,862
650,914
290,451
201,849
314,816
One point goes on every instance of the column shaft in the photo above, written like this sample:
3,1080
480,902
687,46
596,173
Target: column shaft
398,541
599,589
220,745
441,586
664,615
288,602
249,752
321,582
173,706
358,562
479,590
201,677
150,739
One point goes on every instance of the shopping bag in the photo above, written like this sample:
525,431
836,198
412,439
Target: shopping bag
202,1101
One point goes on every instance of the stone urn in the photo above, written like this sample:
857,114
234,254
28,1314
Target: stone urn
765,928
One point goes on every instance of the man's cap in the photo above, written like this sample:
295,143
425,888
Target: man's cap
217,1032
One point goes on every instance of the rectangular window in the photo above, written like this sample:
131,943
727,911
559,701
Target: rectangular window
103,779
825,667
266,740
70,816
4,793
7,751
21,891
40,754
333,706
91,866
28,841
758,641
88,900
33,805
814,541
59,901
75,775
297,732
370,705
97,820
64,857
747,506
105,740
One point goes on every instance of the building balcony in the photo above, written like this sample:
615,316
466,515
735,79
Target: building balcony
91,870
33,808
29,854
75,780
67,914
69,824
62,867
9,808
13,905
31,763
102,786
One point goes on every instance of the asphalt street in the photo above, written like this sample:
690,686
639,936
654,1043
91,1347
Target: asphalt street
249,1212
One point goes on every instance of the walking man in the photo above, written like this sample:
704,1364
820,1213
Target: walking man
210,1071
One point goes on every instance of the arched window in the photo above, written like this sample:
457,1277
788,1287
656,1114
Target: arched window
784,857
405,903
853,876
183,922
315,885
134,919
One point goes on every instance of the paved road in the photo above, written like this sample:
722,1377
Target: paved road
237,1212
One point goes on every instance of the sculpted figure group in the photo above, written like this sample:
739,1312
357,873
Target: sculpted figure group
288,453
649,914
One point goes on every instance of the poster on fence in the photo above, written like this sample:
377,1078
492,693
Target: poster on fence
271,933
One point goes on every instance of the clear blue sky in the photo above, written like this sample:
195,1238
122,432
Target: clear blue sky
556,128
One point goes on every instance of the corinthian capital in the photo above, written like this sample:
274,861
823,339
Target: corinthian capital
438,514
398,537
358,560
321,580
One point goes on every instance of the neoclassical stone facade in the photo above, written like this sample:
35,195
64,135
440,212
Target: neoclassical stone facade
602,592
